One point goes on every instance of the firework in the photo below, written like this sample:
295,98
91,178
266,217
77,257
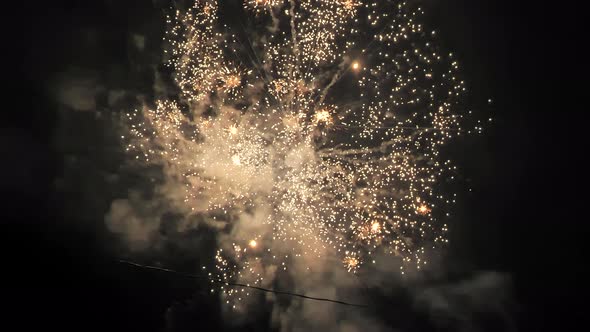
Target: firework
295,148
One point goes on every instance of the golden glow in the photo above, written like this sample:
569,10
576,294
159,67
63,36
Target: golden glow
232,81
423,209
252,243
262,5
351,263
323,116
350,4
375,227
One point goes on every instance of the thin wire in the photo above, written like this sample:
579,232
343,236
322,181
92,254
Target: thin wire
240,285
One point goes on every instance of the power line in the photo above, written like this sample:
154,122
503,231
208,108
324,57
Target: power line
194,276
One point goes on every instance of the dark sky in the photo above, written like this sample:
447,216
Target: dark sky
522,218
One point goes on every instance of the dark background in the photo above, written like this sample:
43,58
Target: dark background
525,215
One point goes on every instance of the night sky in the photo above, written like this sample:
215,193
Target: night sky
523,218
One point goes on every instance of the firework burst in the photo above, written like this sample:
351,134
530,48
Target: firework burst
321,139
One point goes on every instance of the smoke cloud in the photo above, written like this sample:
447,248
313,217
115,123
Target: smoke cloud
77,89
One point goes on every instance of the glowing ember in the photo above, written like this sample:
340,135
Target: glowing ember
233,130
